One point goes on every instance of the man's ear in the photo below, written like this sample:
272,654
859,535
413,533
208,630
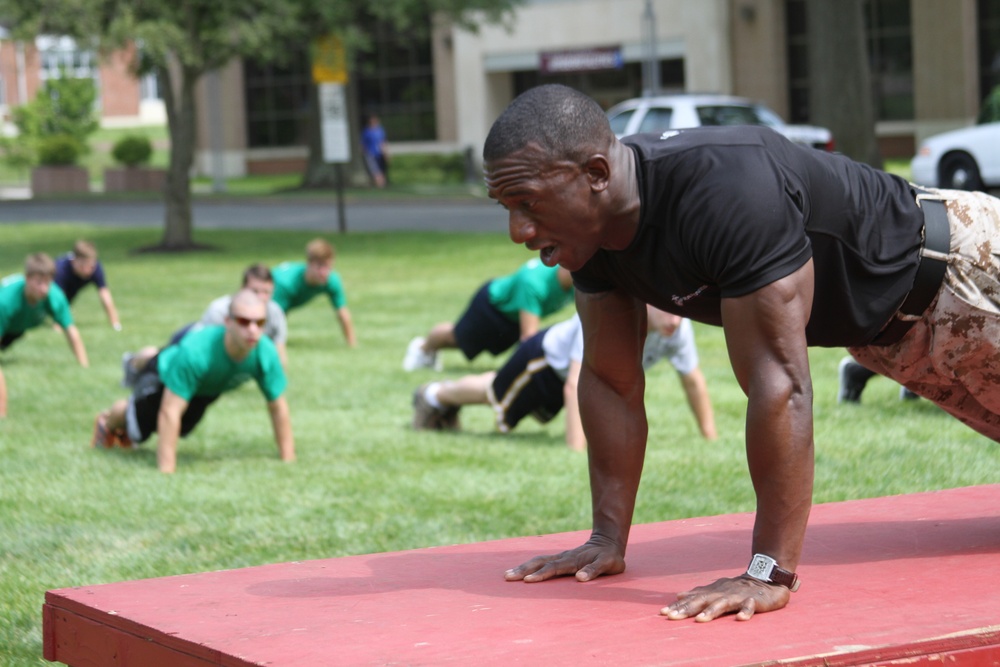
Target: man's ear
598,171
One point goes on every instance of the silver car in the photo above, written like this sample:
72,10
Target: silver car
966,159
675,112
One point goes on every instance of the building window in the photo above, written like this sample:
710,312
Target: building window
60,54
989,46
890,52
888,36
277,101
797,41
396,83
610,86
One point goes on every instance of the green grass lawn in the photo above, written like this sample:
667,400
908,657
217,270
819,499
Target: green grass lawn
364,482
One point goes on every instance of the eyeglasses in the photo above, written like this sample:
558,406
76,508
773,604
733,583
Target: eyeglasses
247,321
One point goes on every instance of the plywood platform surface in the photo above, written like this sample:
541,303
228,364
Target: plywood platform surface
903,577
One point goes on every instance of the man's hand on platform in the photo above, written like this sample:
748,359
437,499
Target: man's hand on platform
742,595
587,562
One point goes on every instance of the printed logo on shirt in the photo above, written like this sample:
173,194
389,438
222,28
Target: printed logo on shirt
681,300
668,134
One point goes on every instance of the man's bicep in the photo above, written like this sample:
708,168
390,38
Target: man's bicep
614,330
766,328
171,404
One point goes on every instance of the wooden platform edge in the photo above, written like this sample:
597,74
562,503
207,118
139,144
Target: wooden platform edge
84,642
980,645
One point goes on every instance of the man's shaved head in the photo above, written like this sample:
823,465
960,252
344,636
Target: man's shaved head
563,122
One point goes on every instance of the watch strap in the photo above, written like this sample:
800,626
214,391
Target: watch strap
764,568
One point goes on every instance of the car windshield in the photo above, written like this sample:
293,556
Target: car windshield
768,117
620,121
657,119
729,114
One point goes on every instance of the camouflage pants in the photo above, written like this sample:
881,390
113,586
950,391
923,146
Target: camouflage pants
951,355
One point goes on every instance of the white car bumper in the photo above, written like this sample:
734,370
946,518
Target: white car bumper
923,170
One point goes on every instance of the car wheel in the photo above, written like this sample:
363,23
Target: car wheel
960,172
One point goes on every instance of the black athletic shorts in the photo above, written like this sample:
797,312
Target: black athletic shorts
144,405
483,327
8,339
526,385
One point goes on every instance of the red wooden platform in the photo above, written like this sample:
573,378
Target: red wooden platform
890,581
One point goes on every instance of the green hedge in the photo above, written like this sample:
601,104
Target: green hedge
426,168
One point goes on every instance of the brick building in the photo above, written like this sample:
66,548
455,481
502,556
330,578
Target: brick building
123,99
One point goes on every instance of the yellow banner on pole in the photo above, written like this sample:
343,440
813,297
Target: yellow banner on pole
329,60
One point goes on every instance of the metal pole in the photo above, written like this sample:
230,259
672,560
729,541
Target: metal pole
651,65
341,213
213,84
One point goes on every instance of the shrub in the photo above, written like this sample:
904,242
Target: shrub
58,150
64,107
132,150
427,168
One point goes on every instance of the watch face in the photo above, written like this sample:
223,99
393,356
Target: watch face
760,567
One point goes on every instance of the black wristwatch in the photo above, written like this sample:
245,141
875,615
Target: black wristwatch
764,568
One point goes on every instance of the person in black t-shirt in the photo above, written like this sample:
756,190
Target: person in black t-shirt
784,247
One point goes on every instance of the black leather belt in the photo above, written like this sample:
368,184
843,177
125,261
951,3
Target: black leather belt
930,270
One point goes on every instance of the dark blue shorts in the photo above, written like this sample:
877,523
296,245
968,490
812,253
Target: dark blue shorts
526,385
483,327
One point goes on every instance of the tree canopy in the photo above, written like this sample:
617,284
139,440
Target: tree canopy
182,40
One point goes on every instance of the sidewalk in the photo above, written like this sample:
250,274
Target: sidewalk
276,212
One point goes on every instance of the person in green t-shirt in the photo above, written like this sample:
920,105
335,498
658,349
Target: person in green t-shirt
504,311
296,283
25,302
175,388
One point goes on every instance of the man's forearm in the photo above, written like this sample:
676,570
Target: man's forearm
696,391
109,308
347,326
168,430
281,423
780,458
3,396
76,344
616,430
529,324
575,437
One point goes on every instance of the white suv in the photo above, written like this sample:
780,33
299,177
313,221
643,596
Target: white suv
675,112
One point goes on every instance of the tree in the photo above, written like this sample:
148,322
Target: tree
62,109
840,89
182,40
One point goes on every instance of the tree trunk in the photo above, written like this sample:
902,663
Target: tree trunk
840,89
180,106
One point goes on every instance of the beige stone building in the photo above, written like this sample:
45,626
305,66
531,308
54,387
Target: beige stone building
931,59
932,62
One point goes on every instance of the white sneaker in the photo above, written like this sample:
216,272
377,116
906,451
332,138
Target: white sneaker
416,357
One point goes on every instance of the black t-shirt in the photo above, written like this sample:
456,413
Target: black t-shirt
728,210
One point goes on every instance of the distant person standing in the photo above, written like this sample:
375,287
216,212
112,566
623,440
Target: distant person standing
376,154
79,268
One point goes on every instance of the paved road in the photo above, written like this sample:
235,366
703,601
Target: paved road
436,215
